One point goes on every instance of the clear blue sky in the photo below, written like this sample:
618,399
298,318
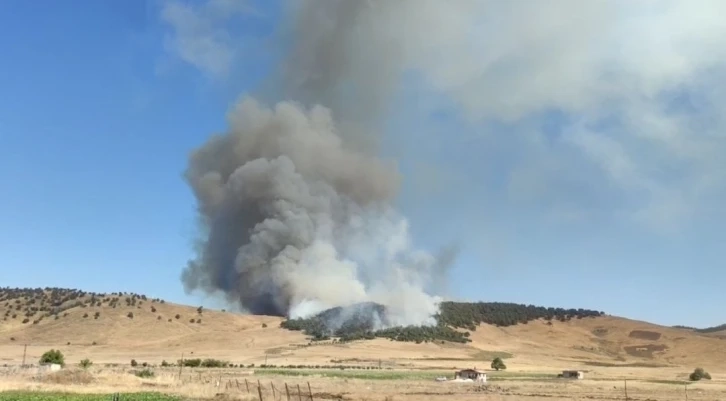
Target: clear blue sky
563,187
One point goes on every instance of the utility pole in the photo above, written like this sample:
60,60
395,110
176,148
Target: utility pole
25,350
181,365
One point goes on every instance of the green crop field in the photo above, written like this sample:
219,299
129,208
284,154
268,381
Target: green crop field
45,396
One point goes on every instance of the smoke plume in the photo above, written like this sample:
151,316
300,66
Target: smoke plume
296,221
295,204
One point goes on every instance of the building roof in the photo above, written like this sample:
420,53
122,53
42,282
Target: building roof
472,370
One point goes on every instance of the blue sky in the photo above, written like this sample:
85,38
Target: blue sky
568,177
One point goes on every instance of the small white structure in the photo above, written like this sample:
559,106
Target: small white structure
49,367
471,374
573,374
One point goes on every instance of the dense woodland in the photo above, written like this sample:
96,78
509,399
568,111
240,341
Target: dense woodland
463,315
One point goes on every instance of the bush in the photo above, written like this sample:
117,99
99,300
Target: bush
144,374
130,315
177,316
134,363
498,364
165,364
699,374
264,325
191,363
53,356
213,363
86,363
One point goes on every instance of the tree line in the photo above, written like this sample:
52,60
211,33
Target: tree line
452,315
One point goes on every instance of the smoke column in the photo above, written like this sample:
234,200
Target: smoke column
295,204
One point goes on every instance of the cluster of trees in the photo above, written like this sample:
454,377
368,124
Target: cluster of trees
706,330
468,315
452,315
35,304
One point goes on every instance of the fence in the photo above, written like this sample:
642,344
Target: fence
263,392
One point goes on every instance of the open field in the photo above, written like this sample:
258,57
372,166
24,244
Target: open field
655,360
399,385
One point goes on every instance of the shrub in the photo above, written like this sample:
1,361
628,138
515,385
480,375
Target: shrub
699,374
53,356
144,374
264,325
213,363
498,364
164,364
158,317
85,363
12,338
130,315
199,320
199,310
177,316
85,315
26,320
134,363
191,363
153,310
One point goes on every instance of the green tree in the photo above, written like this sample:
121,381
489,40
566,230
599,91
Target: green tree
699,374
86,363
53,356
498,364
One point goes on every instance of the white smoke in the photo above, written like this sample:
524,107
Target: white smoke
299,221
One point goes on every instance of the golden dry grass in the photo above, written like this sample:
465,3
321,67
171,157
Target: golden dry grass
609,349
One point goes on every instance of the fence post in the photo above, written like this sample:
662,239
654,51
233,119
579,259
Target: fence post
259,390
287,391
247,386
299,393
626,389
272,386
310,390
686,388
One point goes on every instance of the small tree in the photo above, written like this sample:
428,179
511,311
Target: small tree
199,310
53,356
86,363
134,363
699,374
498,364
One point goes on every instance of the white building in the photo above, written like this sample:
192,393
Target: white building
471,374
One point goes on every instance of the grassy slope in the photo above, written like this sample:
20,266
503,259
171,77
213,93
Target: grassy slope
585,343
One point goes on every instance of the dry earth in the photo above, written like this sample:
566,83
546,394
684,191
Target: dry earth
610,349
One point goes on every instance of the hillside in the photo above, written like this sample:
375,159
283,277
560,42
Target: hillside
115,328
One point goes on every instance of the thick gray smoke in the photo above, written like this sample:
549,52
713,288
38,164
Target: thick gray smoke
295,203
298,222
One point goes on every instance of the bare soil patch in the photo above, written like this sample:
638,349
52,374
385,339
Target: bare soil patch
644,351
645,335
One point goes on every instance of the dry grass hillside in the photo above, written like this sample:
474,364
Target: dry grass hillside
115,328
